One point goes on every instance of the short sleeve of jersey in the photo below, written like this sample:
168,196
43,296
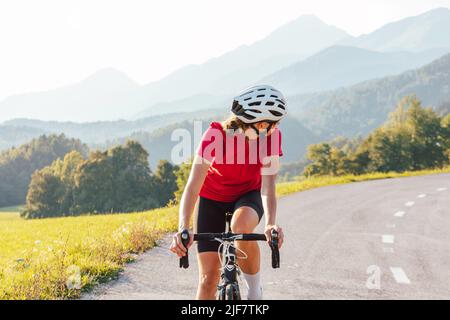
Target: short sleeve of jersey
275,148
206,148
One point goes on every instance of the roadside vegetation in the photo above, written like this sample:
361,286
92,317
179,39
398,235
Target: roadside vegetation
57,258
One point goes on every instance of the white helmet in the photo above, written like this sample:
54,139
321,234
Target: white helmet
259,103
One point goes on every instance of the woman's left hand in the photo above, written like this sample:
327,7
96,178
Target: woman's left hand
267,232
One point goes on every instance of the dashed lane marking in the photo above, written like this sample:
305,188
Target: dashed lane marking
399,214
400,275
387,238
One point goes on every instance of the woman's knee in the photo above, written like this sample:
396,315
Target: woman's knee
209,272
209,281
245,220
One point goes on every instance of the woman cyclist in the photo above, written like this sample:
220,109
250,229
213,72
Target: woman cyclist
234,169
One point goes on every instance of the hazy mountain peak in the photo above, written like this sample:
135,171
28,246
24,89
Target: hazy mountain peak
110,75
305,23
310,18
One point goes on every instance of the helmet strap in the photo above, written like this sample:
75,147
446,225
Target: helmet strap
254,128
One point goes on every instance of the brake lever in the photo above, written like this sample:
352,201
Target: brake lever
275,250
184,261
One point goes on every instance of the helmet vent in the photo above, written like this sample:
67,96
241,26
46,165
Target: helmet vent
273,96
276,113
280,101
262,89
270,103
246,99
249,117
254,110
260,96
256,103
281,106
237,108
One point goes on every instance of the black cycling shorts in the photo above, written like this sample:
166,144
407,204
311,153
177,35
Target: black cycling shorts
211,215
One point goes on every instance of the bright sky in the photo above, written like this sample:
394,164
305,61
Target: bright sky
50,43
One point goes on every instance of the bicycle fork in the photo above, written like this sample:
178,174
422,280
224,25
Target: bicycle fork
230,269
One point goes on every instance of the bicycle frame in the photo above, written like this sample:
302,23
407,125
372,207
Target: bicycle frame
230,269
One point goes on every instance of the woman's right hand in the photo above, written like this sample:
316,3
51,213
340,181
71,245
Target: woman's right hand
177,246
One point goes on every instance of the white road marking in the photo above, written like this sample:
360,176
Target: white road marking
400,275
423,195
441,189
388,250
399,214
409,203
387,238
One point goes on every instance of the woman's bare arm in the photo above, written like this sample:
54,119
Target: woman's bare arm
268,191
269,173
189,197
195,181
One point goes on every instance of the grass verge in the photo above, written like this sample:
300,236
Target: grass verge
57,258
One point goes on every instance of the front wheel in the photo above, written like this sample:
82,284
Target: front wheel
228,292
232,292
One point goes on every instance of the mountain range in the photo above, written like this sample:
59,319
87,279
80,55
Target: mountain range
358,109
425,31
340,66
348,111
302,50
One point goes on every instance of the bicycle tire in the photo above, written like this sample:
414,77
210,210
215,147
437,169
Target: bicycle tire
237,293
232,292
221,294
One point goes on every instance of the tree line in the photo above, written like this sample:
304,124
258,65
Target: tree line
18,164
413,138
116,180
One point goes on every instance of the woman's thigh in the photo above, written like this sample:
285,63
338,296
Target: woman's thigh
248,211
210,219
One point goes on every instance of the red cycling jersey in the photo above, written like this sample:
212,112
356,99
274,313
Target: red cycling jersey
234,171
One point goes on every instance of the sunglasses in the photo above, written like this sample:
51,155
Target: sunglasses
271,125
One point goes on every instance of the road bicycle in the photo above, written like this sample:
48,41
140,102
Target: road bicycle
228,288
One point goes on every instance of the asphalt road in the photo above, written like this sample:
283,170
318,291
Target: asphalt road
383,239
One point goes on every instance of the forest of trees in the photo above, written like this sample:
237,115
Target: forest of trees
116,180
18,164
413,138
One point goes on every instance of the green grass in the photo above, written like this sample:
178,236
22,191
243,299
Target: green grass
38,257
9,216
57,258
